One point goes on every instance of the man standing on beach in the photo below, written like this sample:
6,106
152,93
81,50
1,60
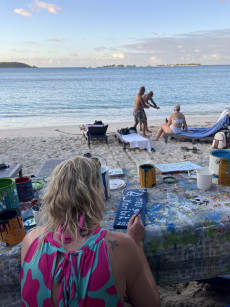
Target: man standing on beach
146,98
138,110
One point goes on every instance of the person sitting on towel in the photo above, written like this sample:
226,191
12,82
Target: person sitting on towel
174,125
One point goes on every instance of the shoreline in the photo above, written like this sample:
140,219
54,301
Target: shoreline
53,131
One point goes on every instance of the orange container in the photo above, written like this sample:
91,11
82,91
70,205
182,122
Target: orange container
11,226
147,175
224,172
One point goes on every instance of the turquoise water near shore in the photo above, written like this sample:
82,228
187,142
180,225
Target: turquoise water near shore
40,97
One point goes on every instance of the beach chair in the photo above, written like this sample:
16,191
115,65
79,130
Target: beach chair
96,133
201,134
134,140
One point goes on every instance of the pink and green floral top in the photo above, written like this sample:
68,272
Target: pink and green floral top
85,276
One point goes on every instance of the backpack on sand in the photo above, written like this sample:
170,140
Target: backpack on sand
219,141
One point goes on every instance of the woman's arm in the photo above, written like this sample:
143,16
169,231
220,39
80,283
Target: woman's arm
27,241
185,125
141,286
170,120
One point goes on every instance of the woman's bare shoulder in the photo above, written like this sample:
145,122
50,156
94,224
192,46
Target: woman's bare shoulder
34,233
119,239
118,235
28,240
30,237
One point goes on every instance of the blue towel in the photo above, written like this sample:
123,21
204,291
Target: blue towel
204,132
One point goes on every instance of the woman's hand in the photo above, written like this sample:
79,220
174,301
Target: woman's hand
136,229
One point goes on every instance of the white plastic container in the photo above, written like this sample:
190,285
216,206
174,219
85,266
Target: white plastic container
204,178
105,178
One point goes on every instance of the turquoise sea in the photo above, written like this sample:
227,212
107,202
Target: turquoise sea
38,97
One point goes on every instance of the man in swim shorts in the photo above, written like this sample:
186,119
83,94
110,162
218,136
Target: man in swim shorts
153,104
138,110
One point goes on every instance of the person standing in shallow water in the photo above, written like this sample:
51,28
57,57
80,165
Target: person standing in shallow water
138,110
153,104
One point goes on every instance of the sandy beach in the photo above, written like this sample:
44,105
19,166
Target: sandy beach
30,147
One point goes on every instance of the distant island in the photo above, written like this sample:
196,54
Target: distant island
173,65
113,65
160,65
15,65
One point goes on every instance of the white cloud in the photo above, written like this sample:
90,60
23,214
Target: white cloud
118,56
52,8
22,12
205,47
155,60
55,40
100,48
213,56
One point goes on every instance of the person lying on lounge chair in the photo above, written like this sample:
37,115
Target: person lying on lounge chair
85,127
175,124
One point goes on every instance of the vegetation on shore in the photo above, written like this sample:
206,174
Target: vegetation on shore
161,65
172,65
14,65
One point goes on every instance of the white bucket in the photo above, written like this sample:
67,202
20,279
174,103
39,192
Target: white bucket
214,162
37,217
204,178
105,178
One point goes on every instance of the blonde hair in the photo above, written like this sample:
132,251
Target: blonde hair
75,189
177,107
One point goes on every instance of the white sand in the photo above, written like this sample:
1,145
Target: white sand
30,147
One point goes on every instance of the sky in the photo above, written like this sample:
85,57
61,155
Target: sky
93,33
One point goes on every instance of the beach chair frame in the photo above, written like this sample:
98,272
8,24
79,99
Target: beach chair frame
96,133
186,138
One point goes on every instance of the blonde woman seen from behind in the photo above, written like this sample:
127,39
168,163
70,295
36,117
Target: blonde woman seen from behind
174,125
71,260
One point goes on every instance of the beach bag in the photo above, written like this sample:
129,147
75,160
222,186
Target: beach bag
132,130
123,131
219,141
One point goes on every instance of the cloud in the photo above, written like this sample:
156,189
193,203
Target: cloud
17,51
51,8
155,60
214,56
205,47
55,40
118,55
22,12
74,55
100,48
31,43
